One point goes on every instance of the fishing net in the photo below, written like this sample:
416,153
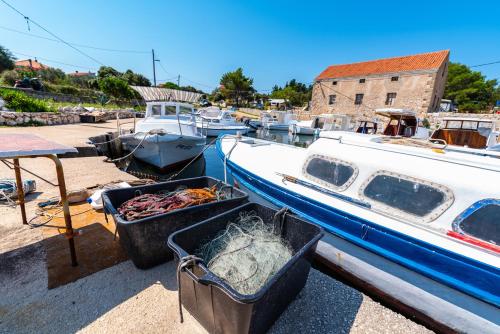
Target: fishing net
247,254
147,205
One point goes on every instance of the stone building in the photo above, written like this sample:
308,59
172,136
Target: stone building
412,82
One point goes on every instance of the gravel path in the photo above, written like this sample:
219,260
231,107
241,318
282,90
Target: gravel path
127,300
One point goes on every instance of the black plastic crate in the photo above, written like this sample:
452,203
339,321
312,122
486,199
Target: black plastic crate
144,239
217,306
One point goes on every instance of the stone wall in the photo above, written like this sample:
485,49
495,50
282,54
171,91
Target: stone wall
12,118
66,115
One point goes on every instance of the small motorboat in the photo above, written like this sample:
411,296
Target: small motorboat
167,137
417,222
473,133
213,122
277,120
323,122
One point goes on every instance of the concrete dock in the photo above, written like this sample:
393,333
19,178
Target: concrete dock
125,299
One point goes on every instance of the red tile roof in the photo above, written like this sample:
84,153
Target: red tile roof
424,61
82,74
29,63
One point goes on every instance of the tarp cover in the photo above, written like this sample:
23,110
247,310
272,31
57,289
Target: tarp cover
165,94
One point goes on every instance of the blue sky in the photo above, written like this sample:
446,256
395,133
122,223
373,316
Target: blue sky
274,41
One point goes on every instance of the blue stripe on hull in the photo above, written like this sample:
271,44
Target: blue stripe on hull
462,273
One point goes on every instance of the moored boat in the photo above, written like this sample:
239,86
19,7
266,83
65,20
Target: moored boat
277,120
407,213
323,122
167,136
214,122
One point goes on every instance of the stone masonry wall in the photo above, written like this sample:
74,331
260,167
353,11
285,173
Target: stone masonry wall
418,91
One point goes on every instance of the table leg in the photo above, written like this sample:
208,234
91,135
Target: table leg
65,204
20,190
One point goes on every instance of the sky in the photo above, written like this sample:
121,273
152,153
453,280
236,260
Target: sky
273,41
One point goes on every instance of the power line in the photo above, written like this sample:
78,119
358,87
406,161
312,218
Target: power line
75,44
53,61
52,34
492,63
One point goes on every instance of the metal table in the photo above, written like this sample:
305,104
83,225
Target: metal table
19,146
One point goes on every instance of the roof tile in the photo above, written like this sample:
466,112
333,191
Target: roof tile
424,61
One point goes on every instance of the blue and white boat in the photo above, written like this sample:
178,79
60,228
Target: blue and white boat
412,219
214,122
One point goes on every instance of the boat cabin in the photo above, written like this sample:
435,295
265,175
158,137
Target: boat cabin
167,110
469,132
366,127
403,123
333,122
216,115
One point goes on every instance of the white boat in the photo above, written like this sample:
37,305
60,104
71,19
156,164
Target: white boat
403,123
213,122
472,133
277,120
167,136
323,122
419,223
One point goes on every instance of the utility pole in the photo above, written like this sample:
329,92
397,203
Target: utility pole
154,67
179,80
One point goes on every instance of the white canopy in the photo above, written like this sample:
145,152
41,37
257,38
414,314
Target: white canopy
165,94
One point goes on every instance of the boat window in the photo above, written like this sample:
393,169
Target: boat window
469,125
406,197
481,221
453,124
170,110
156,110
329,171
185,110
486,125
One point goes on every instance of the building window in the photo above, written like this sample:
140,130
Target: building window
389,101
394,78
332,99
334,83
358,99
362,80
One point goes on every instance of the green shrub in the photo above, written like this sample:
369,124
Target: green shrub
21,102
9,77
68,90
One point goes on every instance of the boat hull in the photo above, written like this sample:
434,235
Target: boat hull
163,151
457,271
277,127
230,130
301,130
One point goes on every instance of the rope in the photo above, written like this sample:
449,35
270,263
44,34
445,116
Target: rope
184,262
193,160
133,151
8,196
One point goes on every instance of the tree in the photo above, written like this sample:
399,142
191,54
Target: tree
52,75
136,79
469,89
116,87
169,85
296,93
6,59
236,86
107,71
